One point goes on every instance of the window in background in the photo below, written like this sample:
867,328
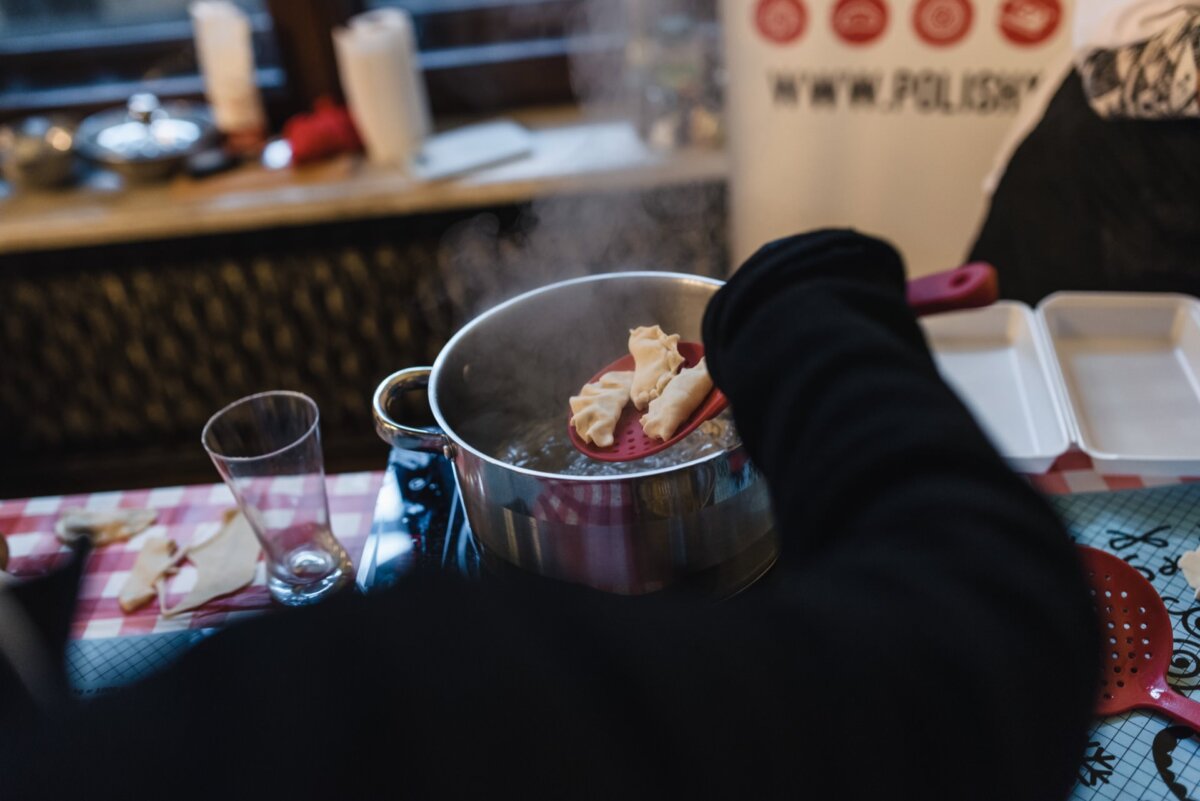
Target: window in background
485,55
59,17
479,56
80,55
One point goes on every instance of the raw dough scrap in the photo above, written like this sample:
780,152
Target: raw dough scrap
225,563
597,408
158,555
656,359
681,397
104,527
1189,563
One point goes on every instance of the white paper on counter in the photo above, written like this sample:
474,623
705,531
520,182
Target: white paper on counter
473,147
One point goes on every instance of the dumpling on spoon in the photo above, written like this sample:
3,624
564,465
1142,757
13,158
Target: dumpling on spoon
679,399
597,408
656,359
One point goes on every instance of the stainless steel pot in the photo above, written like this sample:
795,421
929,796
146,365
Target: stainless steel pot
705,523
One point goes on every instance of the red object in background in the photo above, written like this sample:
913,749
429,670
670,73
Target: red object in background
1137,641
781,21
327,131
859,22
1029,22
942,22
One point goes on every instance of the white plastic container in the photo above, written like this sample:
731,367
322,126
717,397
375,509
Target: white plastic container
1116,374
995,360
1128,366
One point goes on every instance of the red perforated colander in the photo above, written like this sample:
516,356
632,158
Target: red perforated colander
1137,640
629,440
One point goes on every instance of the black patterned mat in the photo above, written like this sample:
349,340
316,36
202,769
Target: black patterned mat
99,666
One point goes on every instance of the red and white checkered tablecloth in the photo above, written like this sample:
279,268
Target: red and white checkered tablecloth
185,515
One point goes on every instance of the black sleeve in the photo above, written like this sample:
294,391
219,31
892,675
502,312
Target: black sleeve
925,635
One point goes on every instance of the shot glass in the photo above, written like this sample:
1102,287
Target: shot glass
267,448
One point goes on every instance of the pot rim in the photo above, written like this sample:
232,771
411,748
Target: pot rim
459,442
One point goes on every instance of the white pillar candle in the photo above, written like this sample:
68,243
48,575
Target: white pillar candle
381,77
225,51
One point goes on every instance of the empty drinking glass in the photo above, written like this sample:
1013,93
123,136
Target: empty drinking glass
267,447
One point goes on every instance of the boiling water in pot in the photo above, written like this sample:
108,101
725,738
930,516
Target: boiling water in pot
546,447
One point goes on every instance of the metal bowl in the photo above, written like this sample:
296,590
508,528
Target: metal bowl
146,141
38,152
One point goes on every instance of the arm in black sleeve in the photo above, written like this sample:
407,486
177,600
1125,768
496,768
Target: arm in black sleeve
893,503
925,635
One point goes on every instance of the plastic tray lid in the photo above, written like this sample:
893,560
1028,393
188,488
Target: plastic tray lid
1127,367
998,363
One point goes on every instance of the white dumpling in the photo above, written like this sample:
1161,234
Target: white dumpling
1189,563
656,359
597,408
682,396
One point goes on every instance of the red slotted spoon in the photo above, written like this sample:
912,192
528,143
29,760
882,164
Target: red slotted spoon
1137,640
966,287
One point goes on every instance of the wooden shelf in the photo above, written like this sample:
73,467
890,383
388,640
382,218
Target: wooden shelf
571,154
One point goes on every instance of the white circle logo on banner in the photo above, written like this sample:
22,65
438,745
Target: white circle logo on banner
781,21
942,22
859,21
1029,22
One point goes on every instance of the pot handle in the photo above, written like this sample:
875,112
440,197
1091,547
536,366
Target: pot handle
967,287
398,435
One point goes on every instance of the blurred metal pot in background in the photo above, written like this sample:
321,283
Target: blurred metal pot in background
146,141
38,152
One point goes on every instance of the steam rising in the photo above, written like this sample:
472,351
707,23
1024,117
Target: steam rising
566,236
525,369
555,238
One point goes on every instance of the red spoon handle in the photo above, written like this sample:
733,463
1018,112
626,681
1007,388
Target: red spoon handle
967,287
1182,709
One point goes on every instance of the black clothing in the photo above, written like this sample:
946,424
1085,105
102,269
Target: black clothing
1096,204
926,633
